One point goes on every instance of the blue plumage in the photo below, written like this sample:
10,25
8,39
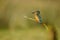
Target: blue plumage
40,19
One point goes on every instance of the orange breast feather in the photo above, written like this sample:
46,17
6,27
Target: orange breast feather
36,18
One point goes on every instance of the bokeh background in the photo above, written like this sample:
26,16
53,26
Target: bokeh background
13,26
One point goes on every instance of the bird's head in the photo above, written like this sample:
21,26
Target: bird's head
36,12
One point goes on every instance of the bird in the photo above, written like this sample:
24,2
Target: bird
38,18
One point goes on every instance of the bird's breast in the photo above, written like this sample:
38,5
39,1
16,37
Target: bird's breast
36,18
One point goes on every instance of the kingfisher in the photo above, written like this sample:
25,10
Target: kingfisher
38,18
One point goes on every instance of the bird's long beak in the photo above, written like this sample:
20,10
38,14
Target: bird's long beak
29,18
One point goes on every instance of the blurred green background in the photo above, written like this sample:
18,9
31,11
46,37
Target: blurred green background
13,26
